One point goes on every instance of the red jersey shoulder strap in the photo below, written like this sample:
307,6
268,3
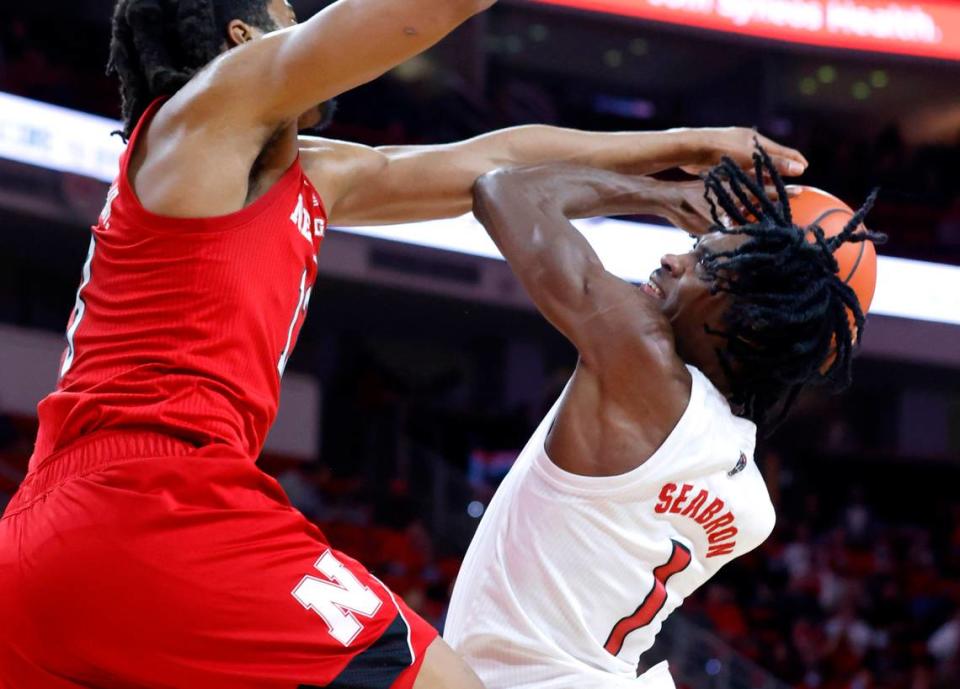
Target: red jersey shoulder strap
134,135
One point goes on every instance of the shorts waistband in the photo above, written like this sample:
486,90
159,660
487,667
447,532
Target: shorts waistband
94,452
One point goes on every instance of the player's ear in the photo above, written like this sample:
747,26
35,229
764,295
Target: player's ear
239,32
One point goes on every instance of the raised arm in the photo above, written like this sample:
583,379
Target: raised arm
238,115
526,211
631,386
274,80
369,186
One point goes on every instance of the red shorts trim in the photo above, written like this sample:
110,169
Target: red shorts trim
134,559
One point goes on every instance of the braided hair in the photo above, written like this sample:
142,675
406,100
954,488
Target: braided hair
157,46
789,320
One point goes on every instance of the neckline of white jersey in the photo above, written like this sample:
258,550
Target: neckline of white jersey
578,483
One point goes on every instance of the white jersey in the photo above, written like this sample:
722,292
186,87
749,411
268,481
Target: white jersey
569,578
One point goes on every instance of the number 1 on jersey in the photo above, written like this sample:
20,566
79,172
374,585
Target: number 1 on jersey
679,560
303,301
79,309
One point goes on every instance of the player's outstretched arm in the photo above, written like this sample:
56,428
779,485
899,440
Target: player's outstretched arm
370,186
274,80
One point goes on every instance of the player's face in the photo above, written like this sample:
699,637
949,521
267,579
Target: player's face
688,301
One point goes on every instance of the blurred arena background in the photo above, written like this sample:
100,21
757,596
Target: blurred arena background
422,368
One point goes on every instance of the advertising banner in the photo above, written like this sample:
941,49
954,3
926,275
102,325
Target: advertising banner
926,29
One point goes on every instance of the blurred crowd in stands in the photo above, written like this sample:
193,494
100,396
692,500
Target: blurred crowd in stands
847,602
837,598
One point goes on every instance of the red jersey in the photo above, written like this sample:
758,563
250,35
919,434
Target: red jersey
183,326
181,571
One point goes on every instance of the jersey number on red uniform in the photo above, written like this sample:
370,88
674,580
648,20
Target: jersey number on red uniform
79,307
679,560
337,598
303,301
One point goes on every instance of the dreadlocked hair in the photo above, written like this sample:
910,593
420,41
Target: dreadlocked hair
789,320
157,46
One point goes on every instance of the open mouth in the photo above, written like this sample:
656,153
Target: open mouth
652,288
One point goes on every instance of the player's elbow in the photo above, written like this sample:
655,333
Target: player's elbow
510,193
485,193
485,187
494,194
504,183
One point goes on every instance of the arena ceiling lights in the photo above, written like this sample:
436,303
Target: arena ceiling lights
69,141
917,290
928,28
58,138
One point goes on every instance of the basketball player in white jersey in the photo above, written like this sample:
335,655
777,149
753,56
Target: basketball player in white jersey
640,483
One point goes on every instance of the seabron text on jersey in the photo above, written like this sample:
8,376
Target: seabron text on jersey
707,512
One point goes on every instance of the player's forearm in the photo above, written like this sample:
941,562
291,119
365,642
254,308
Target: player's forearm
453,168
274,80
437,181
637,153
524,209
634,153
580,192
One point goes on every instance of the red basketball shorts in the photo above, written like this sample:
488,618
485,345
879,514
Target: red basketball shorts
137,561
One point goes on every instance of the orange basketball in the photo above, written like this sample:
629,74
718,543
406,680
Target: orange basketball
858,262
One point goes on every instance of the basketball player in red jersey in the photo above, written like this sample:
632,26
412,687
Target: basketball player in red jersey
144,548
